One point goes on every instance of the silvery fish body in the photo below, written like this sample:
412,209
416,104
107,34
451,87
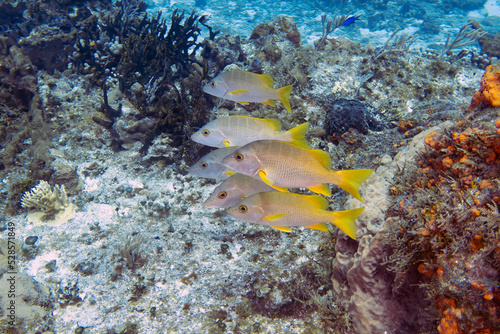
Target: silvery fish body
282,210
234,189
243,87
210,166
241,130
283,165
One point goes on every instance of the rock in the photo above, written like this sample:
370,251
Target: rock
358,272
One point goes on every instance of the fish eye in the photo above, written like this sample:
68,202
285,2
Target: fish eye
213,84
203,164
222,195
243,208
205,132
238,156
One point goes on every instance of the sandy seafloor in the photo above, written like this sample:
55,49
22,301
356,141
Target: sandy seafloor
198,270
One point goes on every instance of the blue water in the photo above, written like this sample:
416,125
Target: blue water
431,21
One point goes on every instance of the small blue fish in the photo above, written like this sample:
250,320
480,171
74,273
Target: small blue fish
350,20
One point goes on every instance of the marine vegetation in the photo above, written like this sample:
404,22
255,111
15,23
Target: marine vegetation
330,25
447,239
464,37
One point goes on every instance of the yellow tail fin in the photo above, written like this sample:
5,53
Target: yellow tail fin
345,221
350,180
284,96
297,135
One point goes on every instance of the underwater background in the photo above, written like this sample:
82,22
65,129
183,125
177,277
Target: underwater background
104,231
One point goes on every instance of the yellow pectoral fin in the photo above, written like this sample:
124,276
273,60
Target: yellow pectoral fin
273,218
269,102
323,157
229,172
239,91
320,226
241,102
226,143
322,189
272,123
267,79
270,182
283,228
317,200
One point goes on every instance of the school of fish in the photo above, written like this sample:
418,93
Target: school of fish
259,162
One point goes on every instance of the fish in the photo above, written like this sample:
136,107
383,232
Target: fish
241,130
282,210
237,187
244,87
210,166
350,20
283,165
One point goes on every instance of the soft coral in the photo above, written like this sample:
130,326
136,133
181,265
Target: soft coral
489,91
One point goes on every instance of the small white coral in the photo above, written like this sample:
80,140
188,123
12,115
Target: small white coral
48,204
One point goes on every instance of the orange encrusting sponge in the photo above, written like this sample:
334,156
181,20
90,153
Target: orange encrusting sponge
489,91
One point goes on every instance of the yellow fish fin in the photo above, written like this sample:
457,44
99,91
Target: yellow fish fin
350,180
274,218
319,226
283,228
284,96
297,135
268,81
317,200
237,92
323,158
345,220
269,102
242,102
271,122
322,189
270,182
229,172
226,143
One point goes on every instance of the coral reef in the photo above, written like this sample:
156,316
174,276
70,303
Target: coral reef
282,27
143,253
464,5
156,65
359,275
490,45
449,215
48,204
17,78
